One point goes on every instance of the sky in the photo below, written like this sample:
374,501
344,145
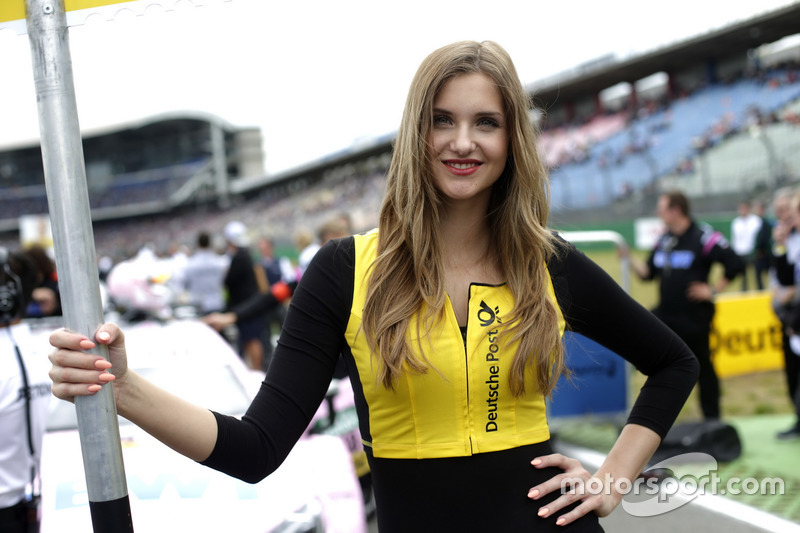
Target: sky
321,76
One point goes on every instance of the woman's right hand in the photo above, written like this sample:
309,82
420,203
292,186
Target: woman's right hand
75,372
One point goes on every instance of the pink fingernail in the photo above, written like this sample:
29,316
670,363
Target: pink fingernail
102,364
95,388
106,376
543,511
536,462
104,336
533,493
560,521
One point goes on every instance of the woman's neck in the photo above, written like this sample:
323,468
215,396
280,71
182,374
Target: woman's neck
465,237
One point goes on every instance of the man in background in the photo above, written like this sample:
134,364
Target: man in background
786,258
24,398
762,248
204,276
682,260
744,229
241,283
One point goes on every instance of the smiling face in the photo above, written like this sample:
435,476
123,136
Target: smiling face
468,138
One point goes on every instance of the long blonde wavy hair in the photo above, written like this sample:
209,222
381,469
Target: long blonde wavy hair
408,270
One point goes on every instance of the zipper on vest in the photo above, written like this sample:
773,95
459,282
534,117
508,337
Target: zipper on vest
464,336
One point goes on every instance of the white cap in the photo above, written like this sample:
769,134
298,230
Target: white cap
236,234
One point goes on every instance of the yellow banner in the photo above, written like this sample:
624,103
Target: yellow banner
745,335
15,9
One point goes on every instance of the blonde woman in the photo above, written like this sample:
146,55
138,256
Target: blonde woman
450,316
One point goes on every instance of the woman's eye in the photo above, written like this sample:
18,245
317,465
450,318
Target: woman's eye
488,123
441,120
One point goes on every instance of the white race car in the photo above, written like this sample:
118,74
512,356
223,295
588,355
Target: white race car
316,489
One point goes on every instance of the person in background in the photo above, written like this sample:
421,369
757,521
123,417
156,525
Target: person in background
46,297
786,264
276,270
744,229
762,247
104,266
204,276
241,283
338,226
176,257
681,261
335,228
450,316
24,398
306,249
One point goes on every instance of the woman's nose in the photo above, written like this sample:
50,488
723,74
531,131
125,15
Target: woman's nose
463,143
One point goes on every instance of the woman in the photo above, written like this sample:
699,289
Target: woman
449,317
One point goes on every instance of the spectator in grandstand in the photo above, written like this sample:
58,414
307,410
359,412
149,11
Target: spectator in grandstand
241,283
204,276
744,229
450,316
786,252
24,398
682,260
762,248
46,297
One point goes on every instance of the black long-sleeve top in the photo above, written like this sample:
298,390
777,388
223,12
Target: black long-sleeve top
679,260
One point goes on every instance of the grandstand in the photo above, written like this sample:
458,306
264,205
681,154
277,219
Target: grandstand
715,115
736,137
147,167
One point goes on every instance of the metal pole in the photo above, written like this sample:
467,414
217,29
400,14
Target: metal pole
220,164
772,167
68,201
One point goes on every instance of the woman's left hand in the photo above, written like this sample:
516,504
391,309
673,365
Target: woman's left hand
574,484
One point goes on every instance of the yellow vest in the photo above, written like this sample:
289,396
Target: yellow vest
461,406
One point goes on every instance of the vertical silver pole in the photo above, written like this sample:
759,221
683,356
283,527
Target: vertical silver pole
68,201
220,163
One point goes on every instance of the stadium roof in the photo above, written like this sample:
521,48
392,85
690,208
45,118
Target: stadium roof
736,38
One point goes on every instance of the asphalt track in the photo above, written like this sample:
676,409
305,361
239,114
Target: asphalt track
705,513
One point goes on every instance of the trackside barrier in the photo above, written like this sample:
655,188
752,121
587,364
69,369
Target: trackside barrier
746,334
600,377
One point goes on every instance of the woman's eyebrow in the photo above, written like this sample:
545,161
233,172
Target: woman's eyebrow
495,114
